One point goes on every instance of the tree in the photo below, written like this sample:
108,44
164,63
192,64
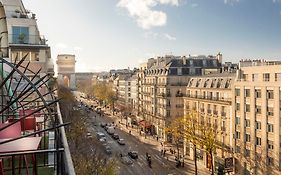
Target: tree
105,94
207,139
87,159
176,130
190,133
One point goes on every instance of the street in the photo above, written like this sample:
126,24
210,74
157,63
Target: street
134,142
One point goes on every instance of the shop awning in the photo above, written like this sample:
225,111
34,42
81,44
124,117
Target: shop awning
145,124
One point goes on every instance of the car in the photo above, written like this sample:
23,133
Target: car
103,139
115,136
121,141
89,134
126,160
133,154
102,124
108,150
110,130
100,135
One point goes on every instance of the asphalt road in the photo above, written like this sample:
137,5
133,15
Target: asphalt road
160,165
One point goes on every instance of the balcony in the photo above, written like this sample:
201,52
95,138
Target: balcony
209,111
179,94
179,106
209,98
163,95
215,112
202,110
19,40
223,114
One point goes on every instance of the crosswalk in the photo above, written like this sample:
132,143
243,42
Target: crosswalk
142,160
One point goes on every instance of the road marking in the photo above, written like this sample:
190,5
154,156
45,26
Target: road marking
140,164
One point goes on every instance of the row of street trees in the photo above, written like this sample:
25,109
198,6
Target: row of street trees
101,90
198,133
86,155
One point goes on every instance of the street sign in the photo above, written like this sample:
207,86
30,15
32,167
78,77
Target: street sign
228,164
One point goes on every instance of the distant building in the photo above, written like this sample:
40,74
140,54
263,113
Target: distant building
66,70
162,84
256,117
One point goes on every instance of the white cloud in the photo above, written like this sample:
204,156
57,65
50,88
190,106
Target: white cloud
169,37
276,1
61,46
231,2
142,11
154,35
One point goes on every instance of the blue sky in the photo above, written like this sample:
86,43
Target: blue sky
107,34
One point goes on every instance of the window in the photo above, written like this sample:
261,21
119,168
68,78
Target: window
129,83
270,128
270,94
245,77
223,111
270,111
277,76
247,92
247,138
247,152
258,125
237,134
258,141
179,71
247,107
237,120
270,145
266,77
129,89
20,34
237,149
168,114
129,94
258,109
255,77
258,93
237,92
237,106
247,123
270,161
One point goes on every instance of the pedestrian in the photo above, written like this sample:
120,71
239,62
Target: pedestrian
164,152
130,132
157,138
161,152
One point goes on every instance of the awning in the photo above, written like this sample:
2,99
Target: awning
145,124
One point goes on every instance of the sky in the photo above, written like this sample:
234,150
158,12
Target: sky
112,34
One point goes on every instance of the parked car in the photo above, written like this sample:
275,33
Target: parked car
126,160
121,141
110,130
115,136
102,124
133,154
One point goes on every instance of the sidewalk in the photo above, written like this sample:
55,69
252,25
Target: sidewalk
188,163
